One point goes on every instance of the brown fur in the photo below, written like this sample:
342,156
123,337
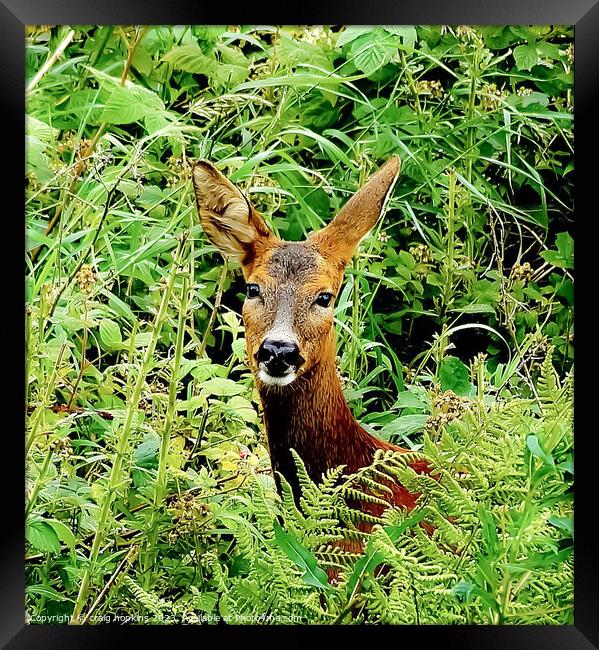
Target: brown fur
311,414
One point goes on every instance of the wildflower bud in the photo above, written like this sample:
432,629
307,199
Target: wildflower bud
421,253
491,97
85,278
522,272
432,88
570,53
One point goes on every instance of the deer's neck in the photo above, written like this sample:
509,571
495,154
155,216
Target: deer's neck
312,417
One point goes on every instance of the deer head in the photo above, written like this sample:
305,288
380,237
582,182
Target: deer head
291,286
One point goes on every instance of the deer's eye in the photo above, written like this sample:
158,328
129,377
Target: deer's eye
324,299
252,291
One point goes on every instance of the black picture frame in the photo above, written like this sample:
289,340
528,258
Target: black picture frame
584,15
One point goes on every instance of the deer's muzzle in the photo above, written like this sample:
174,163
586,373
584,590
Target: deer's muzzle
279,358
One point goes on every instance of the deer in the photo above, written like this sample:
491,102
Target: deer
288,315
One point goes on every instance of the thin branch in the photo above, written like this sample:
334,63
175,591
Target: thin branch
50,61
68,281
128,559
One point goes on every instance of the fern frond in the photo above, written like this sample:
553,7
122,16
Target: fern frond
150,601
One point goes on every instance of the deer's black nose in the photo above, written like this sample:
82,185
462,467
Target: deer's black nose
279,356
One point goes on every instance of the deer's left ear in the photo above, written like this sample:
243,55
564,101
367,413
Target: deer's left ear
340,238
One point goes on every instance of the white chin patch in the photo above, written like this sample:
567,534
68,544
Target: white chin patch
269,380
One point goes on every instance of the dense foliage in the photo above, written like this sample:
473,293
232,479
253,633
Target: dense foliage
150,496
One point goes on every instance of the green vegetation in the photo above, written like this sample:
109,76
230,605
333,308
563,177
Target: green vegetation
150,496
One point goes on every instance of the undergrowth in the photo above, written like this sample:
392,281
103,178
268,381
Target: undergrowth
150,496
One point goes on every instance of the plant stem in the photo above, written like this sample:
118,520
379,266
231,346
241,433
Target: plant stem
41,409
470,112
83,354
82,259
355,340
160,485
123,441
38,482
449,246
50,61
217,301
128,559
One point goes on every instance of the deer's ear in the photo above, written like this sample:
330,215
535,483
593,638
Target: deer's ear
340,238
229,220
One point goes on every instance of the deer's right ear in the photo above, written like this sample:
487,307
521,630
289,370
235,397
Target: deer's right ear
229,220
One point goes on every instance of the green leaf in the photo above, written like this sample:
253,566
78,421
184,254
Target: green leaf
189,58
158,120
406,32
141,340
533,443
395,532
568,465
415,397
145,454
119,307
196,402
350,34
563,257
37,160
86,104
292,53
63,532
318,114
372,50
48,592
535,98
522,32
242,408
454,375
222,387
42,536
366,564
407,260
404,425
130,103
151,196
110,334
475,308
39,129
485,568
526,57
565,246
202,370
318,200
302,557
233,66
463,591
206,601
497,37
142,61
489,530
563,523
239,348
549,50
